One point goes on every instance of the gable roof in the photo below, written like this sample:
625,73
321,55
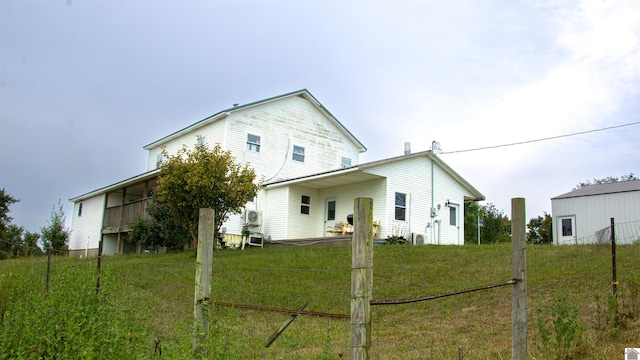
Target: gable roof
304,93
601,189
358,173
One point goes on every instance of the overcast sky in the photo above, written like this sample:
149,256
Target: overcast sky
85,84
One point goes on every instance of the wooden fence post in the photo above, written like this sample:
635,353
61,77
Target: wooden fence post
519,294
202,298
361,278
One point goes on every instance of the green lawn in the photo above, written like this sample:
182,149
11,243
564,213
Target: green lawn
145,303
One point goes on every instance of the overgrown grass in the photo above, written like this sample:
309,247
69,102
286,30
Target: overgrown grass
145,303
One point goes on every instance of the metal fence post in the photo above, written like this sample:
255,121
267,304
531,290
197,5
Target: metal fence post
361,278
519,290
614,283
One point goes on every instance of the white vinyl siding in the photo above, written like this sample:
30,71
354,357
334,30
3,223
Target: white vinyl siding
212,134
413,178
281,125
88,226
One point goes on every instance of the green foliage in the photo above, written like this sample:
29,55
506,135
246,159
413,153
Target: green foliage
159,230
203,178
396,240
471,212
19,243
496,226
55,233
71,321
540,230
6,200
559,327
146,233
608,180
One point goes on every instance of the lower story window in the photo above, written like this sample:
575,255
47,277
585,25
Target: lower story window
305,206
401,206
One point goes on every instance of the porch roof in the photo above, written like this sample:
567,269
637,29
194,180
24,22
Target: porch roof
132,180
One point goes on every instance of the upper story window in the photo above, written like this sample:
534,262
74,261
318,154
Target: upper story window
401,206
345,162
298,153
305,205
159,160
253,143
79,209
202,140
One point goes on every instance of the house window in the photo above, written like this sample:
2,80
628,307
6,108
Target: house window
401,206
345,162
567,228
305,205
253,143
202,140
298,153
331,210
159,161
453,216
79,209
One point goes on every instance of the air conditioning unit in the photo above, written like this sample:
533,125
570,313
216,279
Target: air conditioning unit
253,217
418,239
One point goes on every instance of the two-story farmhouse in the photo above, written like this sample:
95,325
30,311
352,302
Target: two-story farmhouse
310,165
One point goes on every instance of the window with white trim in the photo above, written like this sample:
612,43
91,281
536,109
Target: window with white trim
345,162
298,153
401,206
305,205
159,158
253,143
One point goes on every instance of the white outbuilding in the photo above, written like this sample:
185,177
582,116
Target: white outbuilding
579,216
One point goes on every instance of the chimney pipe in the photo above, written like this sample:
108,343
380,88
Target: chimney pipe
407,148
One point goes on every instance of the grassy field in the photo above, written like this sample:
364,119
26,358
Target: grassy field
144,307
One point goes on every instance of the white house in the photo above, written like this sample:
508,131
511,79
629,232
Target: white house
580,214
310,165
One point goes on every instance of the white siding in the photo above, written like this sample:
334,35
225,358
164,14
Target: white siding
593,213
87,227
213,133
280,125
274,216
413,178
345,195
302,225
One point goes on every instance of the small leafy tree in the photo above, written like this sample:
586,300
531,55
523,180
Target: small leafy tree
159,230
6,200
540,230
203,178
55,233
471,212
608,180
496,225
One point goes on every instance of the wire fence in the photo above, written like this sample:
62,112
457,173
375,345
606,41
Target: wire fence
449,302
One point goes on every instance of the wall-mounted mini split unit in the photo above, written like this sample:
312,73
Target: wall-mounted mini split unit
418,239
253,217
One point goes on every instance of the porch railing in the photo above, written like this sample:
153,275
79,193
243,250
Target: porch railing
121,216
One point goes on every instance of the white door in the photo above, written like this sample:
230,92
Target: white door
454,227
329,215
566,229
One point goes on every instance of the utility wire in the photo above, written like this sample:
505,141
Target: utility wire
543,139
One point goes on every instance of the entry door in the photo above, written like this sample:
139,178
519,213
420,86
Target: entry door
454,227
329,214
566,229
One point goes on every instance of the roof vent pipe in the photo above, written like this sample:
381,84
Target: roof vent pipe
407,148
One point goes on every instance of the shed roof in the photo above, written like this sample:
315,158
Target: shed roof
601,189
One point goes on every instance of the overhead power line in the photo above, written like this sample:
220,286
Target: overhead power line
542,139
